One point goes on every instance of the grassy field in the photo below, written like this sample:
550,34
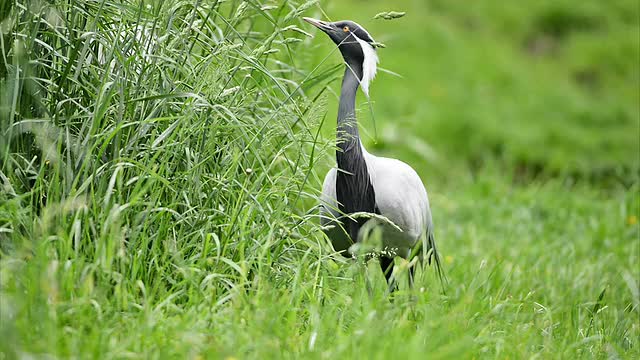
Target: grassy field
160,164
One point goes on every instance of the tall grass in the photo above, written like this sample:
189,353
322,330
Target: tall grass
153,154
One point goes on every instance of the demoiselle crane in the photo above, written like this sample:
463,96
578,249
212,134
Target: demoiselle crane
365,183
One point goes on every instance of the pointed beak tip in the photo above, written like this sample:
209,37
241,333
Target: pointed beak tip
317,23
311,21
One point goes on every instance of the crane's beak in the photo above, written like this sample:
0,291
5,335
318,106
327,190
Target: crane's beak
319,24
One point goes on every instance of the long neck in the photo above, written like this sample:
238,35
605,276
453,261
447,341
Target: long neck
348,135
354,191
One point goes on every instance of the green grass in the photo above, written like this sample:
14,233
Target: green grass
160,162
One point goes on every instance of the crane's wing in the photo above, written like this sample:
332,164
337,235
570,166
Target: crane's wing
402,198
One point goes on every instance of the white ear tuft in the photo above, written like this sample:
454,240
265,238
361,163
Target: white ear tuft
369,65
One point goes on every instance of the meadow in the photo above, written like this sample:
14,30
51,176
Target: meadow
160,163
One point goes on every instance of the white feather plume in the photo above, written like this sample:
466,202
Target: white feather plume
369,65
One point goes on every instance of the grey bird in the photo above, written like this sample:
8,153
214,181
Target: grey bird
365,183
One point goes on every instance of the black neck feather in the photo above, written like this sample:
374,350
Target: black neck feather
354,190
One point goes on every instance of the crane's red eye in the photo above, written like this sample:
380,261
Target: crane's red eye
345,29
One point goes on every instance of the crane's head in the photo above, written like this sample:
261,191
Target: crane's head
356,46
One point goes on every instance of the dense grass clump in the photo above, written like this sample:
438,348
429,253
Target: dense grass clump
152,156
160,162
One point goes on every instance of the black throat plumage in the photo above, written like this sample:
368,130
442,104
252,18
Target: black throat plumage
354,190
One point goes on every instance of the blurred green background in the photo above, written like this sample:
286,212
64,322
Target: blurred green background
160,164
538,87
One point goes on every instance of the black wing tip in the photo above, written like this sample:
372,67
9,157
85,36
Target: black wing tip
433,253
429,252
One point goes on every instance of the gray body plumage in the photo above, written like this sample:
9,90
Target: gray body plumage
399,196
